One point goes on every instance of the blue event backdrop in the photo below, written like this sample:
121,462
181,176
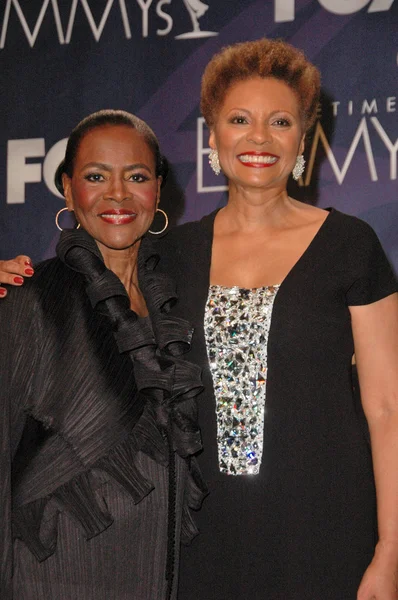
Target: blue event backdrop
63,59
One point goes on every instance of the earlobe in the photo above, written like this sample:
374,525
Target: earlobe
67,192
212,141
302,145
160,180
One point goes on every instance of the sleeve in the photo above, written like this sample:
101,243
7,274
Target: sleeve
19,352
373,277
5,471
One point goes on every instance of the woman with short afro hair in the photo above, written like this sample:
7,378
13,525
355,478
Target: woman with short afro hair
260,58
280,293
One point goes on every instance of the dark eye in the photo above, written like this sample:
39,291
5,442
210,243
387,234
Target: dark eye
239,120
94,177
282,122
138,178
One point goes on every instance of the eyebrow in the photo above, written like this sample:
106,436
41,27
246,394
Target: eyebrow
246,110
106,167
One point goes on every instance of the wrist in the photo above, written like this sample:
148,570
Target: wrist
387,549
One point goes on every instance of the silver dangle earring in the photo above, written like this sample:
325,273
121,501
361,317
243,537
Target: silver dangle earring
57,219
214,161
298,169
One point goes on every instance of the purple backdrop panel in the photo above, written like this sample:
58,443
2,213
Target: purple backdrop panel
62,59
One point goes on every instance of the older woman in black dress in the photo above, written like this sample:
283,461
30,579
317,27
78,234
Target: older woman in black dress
97,420
281,293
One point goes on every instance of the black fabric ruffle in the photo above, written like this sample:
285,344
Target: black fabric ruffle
164,417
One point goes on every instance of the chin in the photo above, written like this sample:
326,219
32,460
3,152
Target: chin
263,181
119,243
257,183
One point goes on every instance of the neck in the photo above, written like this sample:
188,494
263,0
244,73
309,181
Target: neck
123,263
256,209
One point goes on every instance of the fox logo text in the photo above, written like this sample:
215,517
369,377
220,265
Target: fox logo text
20,173
285,10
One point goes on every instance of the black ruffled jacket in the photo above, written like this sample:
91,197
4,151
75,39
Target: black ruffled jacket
98,430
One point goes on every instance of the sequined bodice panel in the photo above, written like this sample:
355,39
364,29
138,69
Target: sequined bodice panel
237,323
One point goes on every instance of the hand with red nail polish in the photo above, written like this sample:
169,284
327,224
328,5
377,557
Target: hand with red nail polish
12,272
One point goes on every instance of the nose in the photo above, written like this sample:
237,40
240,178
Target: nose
260,133
118,189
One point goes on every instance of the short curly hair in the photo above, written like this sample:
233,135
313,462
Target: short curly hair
260,58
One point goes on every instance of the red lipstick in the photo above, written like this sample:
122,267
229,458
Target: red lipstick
258,160
118,216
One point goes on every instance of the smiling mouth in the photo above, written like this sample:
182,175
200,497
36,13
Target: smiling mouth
258,160
120,217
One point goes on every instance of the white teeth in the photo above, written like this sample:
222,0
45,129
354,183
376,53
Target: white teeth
251,158
116,217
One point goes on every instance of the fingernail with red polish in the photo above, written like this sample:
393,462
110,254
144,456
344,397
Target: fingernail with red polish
29,271
2,292
28,262
18,280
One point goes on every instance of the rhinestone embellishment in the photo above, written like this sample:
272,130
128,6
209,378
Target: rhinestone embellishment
237,323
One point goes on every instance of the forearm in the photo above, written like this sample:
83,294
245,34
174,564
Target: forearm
384,440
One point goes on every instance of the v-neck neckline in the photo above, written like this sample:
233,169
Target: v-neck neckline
297,264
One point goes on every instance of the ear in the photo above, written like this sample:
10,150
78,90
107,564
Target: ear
212,140
302,145
67,185
160,179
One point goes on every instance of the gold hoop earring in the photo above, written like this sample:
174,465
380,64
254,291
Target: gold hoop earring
165,224
57,219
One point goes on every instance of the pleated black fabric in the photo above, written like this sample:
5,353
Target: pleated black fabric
98,433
